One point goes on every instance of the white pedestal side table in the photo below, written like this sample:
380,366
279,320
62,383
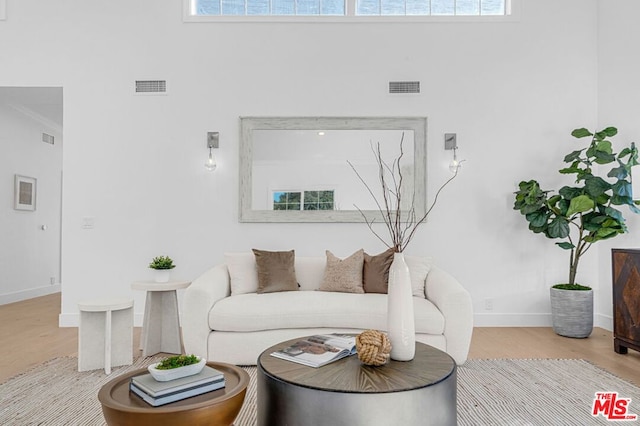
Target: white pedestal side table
105,334
161,324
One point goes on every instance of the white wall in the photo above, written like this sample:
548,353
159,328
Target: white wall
618,105
29,255
512,92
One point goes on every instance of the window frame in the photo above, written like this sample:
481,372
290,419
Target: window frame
294,191
514,8
302,193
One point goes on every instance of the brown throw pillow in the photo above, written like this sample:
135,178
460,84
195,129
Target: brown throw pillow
276,271
343,275
375,276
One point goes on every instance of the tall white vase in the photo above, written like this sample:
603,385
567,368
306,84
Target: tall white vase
400,320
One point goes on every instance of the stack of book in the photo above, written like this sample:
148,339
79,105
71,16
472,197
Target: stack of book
158,393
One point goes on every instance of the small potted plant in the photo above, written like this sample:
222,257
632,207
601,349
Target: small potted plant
176,367
579,216
162,265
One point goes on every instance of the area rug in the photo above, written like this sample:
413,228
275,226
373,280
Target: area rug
505,392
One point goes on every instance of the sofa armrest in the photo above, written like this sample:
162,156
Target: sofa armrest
455,304
198,300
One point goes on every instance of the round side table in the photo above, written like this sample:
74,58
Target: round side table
161,324
220,407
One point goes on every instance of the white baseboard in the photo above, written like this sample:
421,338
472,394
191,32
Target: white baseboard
603,321
68,320
29,294
531,320
512,320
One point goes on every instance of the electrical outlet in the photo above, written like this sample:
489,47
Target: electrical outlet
488,304
52,280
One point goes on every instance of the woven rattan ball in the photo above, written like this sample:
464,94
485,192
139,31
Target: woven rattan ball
373,347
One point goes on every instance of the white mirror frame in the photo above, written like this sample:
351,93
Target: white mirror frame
248,124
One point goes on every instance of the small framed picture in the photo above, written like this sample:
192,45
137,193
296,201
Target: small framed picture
25,193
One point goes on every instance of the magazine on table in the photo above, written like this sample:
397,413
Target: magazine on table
318,350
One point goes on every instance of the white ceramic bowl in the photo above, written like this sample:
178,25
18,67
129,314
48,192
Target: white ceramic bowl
176,373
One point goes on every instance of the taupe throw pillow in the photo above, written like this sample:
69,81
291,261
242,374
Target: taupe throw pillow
343,275
375,276
276,271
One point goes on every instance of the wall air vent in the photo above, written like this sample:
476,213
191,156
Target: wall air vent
151,86
47,138
404,87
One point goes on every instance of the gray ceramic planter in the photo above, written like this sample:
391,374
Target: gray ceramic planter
572,312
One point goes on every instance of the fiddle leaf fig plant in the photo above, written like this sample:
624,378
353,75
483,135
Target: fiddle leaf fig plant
587,211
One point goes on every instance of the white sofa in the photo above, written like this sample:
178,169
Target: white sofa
237,328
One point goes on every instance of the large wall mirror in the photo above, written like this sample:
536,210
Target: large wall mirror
296,169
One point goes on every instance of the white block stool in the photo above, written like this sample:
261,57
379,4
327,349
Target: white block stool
105,334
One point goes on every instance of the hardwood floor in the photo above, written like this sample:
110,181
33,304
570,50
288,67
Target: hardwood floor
29,335
542,342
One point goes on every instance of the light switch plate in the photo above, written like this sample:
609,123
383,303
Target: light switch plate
88,222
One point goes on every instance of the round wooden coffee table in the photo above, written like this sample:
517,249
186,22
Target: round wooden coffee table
347,392
121,407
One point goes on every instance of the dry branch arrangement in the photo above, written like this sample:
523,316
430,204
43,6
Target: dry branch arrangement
401,224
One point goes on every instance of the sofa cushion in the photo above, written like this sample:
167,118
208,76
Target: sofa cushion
419,268
276,271
343,275
310,271
309,309
375,275
243,274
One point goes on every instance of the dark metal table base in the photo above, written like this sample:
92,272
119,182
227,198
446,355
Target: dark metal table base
282,403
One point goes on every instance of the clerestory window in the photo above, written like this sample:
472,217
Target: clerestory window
364,8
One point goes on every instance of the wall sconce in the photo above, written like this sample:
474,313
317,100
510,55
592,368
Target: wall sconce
213,139
451,142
